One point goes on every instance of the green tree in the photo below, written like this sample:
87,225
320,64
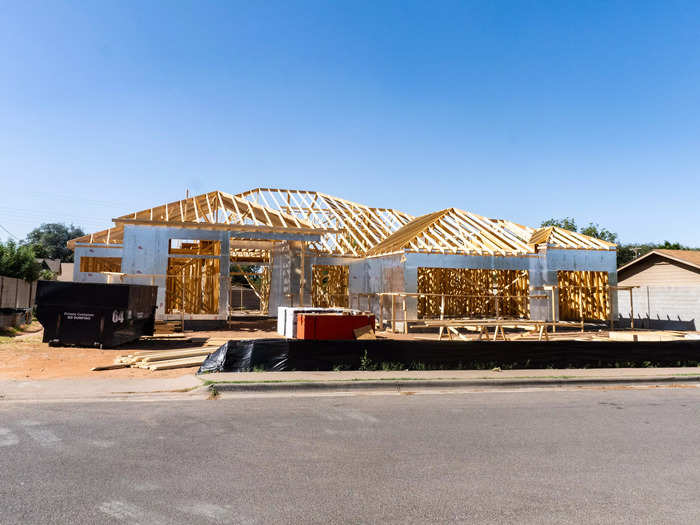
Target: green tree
567,223
49,240
592,230
241,279
628,252
18,261
625,252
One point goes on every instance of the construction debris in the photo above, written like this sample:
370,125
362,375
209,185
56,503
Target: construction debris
161,359
648,335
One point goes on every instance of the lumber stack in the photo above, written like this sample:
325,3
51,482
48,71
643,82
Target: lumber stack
161,359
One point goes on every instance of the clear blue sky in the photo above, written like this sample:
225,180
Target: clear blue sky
519,110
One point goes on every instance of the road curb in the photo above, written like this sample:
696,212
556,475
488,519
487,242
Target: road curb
342,386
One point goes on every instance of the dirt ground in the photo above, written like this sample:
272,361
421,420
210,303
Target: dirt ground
24,356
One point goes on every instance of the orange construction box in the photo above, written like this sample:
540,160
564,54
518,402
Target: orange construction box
328,327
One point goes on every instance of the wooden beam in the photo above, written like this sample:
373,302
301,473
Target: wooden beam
229,227
251,245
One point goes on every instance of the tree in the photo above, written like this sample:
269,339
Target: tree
625,252
567,223
49,240
18,261
628,252
592,230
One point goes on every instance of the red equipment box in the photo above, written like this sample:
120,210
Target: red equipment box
328,327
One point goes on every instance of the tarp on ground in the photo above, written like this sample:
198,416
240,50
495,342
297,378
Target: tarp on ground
299,354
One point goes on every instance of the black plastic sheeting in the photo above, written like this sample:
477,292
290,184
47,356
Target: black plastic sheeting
300,354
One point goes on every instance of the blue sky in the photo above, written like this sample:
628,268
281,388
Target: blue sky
519,110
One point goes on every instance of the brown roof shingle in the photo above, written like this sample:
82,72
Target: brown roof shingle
689,256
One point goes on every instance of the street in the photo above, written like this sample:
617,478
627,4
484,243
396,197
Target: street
597,455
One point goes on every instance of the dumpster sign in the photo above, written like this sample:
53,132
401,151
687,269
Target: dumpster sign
78,316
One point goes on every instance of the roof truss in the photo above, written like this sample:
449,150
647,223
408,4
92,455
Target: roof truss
363,226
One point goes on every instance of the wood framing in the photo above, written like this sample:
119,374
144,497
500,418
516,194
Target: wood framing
329,286
472,293
360,227
347,228
260,286
458,232
583,295
192,284
100,264
211,208
266,221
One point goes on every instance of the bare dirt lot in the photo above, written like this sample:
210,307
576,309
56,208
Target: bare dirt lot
24,356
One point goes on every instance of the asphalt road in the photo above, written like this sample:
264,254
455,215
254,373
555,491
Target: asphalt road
588,456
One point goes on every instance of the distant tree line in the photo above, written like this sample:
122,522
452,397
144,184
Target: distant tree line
48,241
625,252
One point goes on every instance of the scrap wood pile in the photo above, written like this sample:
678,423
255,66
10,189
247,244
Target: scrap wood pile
167,359
161,359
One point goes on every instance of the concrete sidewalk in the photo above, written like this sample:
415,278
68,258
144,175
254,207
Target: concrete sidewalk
87,389
378,380
199,387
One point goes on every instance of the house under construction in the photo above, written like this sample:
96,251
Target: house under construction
304,248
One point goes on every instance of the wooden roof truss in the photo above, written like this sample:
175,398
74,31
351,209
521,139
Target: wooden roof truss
347,228
453,231
363,226
215,207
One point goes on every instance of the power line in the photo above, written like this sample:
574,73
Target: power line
9,232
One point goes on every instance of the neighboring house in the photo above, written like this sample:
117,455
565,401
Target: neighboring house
668,296
53,265
66,273
243,298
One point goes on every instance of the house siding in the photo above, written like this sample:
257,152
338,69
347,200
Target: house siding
659,271
668,296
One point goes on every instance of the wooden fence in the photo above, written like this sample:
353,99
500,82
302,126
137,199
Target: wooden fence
16,300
